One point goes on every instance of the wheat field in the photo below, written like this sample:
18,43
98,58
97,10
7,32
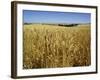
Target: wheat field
51,46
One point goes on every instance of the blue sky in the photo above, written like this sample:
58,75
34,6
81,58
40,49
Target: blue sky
30,16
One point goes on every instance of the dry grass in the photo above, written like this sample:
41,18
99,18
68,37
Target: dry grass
48,46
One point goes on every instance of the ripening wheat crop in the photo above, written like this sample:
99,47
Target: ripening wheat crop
51,46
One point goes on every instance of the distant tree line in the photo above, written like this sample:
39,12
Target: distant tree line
27,23
67,25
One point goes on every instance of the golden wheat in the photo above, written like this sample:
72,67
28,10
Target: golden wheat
48,46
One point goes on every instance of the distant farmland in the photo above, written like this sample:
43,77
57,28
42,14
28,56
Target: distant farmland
52,46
